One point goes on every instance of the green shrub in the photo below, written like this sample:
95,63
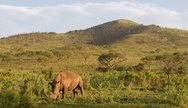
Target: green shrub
48,73
131,77
26,101
177,94
9,99
21,90
24,83
12,99
107,80
87,99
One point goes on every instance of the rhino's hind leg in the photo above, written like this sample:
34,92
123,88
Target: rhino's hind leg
80,85
75,93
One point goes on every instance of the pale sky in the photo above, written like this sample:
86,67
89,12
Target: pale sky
23,16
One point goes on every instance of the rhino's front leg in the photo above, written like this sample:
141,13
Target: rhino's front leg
62,96
65,93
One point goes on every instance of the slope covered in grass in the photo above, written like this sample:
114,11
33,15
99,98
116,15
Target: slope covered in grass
129,38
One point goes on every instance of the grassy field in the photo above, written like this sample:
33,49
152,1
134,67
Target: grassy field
140,105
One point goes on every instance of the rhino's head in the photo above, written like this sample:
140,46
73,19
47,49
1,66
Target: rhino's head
55,86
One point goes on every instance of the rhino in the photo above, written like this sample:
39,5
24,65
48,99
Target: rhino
66,81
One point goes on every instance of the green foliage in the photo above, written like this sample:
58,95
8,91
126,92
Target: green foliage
12,99
29,61
26,101
24,83
174,65
139,67
9,99
104,99
178,94
48,73
107,80
59,54
46,54
148,60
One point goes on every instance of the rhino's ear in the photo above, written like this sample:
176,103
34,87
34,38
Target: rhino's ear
50,83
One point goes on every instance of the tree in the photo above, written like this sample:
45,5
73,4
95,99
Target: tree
109,60
174,63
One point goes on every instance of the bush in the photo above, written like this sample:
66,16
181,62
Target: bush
24,83
26,101
12,99
47,54
139,67
103,99
107,80
48,73
42,59
131,77
102,69
9,99
177,94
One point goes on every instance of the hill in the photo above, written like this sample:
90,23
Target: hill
130,37
122,30
123,36
108,33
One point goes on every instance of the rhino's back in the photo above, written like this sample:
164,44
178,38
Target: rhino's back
70,79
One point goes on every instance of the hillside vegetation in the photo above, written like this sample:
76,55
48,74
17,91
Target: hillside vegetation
123,64
122,36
